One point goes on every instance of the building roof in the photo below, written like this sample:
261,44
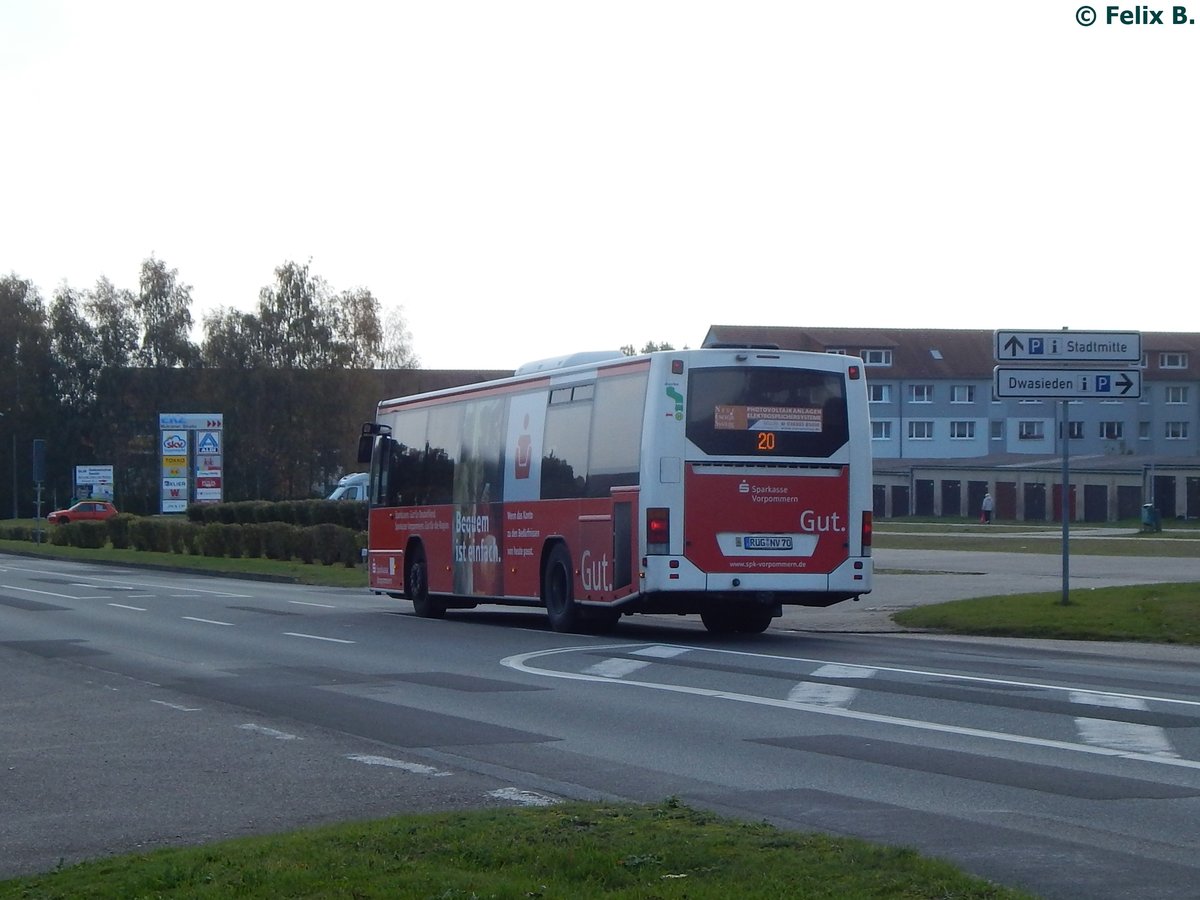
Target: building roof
939,352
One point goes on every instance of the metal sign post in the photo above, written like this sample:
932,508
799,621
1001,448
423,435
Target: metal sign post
1066,508
1066,379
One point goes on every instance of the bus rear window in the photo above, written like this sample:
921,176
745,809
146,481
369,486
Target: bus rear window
766,412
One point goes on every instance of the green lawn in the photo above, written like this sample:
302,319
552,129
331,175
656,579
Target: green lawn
1155,613
571,851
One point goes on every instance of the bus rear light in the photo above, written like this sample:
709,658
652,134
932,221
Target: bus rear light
854,372
867,528
658,531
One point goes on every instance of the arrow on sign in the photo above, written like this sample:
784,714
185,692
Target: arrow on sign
1124,383
1014,346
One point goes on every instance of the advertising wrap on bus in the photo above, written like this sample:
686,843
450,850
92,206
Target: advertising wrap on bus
721,482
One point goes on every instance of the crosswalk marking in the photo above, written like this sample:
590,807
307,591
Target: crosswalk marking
819,694
616,668
1148,739
1130,736
833,670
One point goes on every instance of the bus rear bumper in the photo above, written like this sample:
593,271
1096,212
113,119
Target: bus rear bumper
683,587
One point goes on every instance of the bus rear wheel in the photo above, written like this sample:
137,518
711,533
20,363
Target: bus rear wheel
558,592
416,587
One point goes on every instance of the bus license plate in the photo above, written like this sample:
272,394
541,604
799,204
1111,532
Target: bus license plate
767,542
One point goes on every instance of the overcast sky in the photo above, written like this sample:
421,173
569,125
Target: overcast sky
532,179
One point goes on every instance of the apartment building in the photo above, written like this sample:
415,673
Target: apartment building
941,439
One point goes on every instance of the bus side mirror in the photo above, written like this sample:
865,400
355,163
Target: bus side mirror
366,442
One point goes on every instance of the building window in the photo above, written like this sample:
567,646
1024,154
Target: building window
1177,393
1143,431
997,429
877,357
962,431
920,393
1075,431
881,431
920,430
962,393
1031,430
1172,360
836,351
1112,431
879,393
1176,431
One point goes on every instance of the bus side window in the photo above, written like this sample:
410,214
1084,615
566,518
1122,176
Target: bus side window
565,447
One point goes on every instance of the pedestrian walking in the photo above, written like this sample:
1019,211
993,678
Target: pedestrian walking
985,514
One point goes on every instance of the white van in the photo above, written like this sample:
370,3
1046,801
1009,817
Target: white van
351,487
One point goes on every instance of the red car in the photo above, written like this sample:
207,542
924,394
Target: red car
83,511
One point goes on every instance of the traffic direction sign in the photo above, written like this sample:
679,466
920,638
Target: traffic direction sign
1068,346
1066,384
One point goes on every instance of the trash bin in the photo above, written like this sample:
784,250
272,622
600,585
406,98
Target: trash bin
1150,518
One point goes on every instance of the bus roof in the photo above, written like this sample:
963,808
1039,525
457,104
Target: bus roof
540,370
565,362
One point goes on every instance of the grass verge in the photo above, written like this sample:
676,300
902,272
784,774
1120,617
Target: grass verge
1153,613
568,851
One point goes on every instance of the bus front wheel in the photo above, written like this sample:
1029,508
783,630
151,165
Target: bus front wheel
416,587
558,591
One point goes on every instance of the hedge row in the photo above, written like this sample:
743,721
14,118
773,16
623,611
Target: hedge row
350,514
327,543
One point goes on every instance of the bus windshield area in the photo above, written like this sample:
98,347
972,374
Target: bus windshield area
767,412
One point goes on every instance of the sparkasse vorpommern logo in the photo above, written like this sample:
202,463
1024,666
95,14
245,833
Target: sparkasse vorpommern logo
1136,15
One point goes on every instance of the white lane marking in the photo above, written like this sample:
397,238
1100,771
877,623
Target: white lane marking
269,732
123,606
837,670
125,584
316,637
521,662
822,694
306,603
114,581
525,798
1140,739
411,767
206,621
14,587
177,706
616,668
661,651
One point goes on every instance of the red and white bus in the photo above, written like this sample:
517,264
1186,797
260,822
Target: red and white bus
722,481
